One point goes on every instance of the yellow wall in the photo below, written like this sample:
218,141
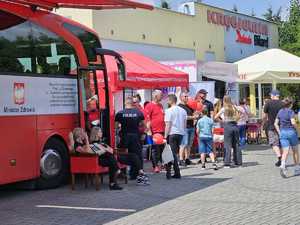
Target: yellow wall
158,26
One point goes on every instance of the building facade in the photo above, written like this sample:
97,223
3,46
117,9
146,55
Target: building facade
198,32
188,31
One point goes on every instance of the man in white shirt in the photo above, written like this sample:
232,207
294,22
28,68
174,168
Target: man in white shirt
175,119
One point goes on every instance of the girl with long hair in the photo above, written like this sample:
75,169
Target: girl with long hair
231,132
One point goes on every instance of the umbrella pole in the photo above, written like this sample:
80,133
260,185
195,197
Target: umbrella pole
252,98
259,101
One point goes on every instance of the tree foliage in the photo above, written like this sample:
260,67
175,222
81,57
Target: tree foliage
289,40
289,31
235,9
271,16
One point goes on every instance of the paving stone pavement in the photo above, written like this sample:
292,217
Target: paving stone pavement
253,194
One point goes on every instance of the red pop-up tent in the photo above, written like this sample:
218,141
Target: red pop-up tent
144,73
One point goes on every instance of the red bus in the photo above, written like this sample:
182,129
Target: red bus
47,63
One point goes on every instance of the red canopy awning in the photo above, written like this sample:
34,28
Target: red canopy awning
144,73
83,4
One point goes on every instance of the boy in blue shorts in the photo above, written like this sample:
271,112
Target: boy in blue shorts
285,125
205,134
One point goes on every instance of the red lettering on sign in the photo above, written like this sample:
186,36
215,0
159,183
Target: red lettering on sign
294,74
236,23
243,38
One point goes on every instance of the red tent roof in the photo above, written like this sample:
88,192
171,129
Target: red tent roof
145,73
83,4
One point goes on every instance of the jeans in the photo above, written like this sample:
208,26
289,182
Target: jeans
174,140
231,141
242,132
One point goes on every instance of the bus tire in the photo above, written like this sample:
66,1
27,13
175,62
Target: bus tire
54,165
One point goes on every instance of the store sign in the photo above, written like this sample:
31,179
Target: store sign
243,38
262,42
243,76
236,23
294,74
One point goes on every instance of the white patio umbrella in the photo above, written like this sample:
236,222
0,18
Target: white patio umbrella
270,66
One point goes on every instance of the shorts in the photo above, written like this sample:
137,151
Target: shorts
273,138
288,138
188,138
205,145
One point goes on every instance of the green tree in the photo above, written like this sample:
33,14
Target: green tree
165,5
289,40
235,9
289,31
271,16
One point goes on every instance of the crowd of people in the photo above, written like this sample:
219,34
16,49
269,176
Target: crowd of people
178,125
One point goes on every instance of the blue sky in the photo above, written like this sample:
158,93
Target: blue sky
246,6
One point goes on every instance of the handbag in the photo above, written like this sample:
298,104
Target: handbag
167,154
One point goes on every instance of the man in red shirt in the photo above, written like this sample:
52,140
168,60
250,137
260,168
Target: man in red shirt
155,124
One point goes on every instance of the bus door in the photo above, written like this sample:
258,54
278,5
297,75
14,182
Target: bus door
94,96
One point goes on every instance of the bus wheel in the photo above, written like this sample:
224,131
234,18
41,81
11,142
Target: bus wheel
54,165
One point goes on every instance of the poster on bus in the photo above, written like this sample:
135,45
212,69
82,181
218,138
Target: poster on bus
27,95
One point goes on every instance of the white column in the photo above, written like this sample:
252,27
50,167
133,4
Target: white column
260,102
274,85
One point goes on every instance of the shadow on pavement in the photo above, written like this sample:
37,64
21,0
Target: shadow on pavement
132,198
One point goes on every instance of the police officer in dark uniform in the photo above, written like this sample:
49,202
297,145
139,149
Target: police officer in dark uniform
131,119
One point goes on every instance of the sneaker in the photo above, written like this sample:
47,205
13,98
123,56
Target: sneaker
115,187
182,163
142,181
188,162
199,162
215,166
226,167
203,167
156,169
283,172
144,177
278,163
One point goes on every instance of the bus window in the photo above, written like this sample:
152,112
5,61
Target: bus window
26,47
52,55
15,40
89,41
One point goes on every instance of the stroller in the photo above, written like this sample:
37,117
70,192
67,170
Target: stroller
253,133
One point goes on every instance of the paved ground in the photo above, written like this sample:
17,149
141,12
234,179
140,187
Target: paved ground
254,194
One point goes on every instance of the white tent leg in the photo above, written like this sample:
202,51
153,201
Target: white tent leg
259,101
